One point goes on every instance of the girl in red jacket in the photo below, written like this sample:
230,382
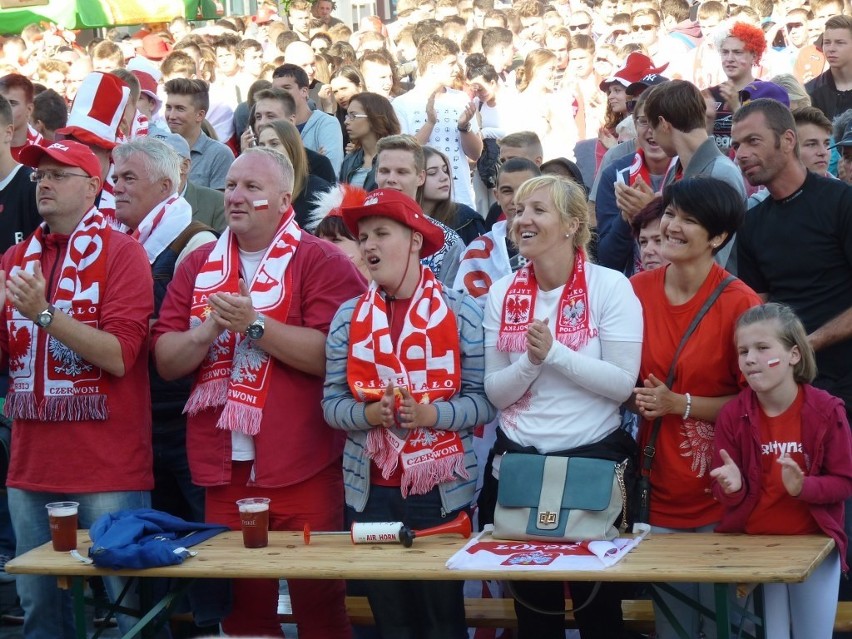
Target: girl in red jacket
783,464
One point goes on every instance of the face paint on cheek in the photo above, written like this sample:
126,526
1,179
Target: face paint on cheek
260,205
772,363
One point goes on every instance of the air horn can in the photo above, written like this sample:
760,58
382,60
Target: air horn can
395,532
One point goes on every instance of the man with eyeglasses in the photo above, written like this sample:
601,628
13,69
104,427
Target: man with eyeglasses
74,332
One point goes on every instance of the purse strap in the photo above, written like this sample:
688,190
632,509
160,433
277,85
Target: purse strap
651,447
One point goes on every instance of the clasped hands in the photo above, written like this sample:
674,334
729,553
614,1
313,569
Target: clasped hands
230,312
406,413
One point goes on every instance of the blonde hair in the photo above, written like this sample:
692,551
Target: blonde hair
791,332
795,90
568,198
535,59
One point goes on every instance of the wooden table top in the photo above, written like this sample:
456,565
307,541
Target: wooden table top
715,558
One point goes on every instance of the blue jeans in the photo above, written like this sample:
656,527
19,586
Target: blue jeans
412,609
48,611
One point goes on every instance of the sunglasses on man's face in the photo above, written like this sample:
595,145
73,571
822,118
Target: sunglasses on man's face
643,27
579,27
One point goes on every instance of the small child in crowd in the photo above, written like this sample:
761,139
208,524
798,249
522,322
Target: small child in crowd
783,464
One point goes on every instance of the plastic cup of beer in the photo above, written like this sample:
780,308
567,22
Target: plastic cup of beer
63,524
254,516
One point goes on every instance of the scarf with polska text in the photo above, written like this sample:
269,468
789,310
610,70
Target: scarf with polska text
426,362
73,389
236,373
572,322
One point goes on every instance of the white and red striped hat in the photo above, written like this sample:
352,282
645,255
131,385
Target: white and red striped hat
97,110
148,75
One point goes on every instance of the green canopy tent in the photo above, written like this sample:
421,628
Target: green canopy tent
89,14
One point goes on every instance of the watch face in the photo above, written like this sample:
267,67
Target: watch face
255,331
44,319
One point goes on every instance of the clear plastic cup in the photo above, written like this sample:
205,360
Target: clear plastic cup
63,524
254,516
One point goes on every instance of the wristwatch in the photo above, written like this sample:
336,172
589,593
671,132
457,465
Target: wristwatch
467,128
44,318
255,329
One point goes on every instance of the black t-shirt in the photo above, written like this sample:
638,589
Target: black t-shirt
18,211
723,121
799,252
18,218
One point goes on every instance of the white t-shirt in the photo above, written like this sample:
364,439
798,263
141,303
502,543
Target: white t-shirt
410,109
557,413
242,445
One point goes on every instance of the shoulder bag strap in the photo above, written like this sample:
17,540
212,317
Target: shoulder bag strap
650,448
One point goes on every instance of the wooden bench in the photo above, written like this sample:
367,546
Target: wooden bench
500,613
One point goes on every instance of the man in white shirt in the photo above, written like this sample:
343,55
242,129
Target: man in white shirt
439,116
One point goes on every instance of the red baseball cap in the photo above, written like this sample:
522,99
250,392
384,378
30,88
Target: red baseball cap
398,207
66,152
636,66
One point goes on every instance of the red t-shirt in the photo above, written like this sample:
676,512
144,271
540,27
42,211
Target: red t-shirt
777,512
707,367
94,455
294,442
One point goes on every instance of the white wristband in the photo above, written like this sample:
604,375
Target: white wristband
688,406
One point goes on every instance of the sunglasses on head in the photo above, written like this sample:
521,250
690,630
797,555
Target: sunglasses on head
794,25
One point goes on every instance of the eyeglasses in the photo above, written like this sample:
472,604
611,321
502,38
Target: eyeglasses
579,27
54,176
355,116
794,25
643,27
642,123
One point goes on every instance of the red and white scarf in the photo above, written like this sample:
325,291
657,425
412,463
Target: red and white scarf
163,225
236,373
572,324
426,362
639,168
72,389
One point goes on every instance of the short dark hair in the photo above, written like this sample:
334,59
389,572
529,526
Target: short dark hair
653,210
280,95
50,108
717,206
812,115
292,71
198,90
18,81
778,117
680,103
518,165
495,36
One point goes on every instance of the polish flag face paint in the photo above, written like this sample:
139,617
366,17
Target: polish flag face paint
260,205
772,363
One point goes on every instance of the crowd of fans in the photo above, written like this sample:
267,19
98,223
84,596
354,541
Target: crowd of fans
466,155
